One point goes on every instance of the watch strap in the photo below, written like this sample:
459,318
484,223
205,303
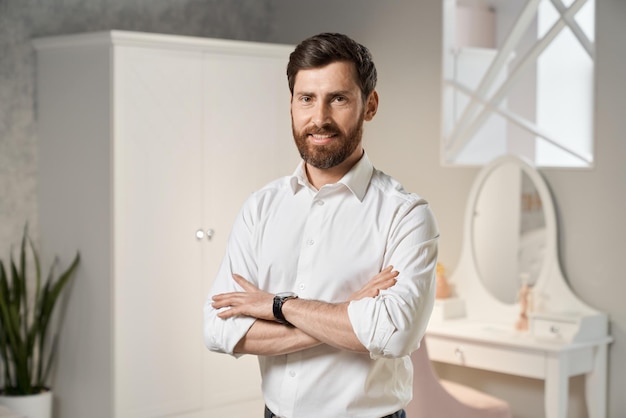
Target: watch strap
277,307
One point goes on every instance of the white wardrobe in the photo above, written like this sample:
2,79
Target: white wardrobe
149,145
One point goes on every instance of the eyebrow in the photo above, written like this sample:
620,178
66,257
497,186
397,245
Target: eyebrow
330,94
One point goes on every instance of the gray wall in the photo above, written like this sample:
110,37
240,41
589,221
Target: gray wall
405,38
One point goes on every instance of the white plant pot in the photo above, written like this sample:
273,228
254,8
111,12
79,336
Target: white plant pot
29,406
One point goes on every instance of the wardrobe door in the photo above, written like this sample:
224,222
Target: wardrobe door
249,143
158,291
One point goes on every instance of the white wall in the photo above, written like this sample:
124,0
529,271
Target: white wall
405,37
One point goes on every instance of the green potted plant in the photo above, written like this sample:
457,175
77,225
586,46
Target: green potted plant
27,347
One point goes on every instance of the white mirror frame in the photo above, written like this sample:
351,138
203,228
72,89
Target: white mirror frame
551,289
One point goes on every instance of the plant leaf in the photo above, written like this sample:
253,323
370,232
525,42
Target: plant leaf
23,332
4,344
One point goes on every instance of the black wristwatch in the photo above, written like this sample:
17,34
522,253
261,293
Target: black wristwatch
279,299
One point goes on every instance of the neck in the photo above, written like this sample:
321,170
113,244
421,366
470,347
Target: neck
319,177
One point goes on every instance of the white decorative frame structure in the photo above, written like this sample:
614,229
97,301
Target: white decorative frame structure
537,48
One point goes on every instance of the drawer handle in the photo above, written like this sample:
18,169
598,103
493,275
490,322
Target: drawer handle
555,329
460,355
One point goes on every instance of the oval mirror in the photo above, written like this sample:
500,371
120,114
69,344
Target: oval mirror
508,231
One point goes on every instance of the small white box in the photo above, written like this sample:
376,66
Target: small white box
449,308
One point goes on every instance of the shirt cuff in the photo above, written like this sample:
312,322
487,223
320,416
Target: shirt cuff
222,335
372,325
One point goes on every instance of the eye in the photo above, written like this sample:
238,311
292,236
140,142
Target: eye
340,99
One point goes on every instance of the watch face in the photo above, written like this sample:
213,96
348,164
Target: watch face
286,294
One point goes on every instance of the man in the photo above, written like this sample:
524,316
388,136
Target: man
338,344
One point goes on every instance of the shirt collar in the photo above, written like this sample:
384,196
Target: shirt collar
356,180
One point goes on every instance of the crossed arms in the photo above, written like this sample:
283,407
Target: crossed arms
314,322
386,317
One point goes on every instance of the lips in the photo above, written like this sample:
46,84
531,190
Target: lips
321,138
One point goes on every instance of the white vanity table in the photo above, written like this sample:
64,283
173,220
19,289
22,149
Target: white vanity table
565,337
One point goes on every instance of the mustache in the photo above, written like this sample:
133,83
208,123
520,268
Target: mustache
323,130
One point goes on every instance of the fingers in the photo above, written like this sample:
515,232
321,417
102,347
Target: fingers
386,270
386,273
385,279
234,302
246,285
228,313
226,299
251,301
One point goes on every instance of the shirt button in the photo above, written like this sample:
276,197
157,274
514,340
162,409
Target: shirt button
310,242
320,202
292,373
302,286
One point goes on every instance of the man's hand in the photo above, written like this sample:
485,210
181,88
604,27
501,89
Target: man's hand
383,280
257,303
252,302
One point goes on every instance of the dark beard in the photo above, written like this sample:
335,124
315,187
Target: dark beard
328,156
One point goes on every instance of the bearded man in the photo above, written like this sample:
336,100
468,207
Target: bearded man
329,274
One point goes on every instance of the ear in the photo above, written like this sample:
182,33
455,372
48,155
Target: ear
371,107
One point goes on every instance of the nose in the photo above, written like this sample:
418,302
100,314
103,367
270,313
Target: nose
321,114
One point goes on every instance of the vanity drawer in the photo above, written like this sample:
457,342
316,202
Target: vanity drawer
495,358
554,330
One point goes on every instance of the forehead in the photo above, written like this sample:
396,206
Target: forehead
340,75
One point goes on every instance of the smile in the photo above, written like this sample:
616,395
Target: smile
322,136
321,139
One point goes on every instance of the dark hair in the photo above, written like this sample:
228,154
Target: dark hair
326,48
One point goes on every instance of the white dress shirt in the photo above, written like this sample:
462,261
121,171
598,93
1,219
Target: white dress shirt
325,245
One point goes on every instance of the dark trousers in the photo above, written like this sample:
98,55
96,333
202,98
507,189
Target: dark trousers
398,414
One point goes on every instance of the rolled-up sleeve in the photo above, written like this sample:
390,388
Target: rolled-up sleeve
393,323
222,335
